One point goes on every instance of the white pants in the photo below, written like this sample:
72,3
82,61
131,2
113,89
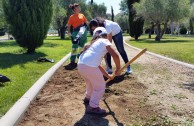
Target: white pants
95,83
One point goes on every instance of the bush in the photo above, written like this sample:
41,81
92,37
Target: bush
2,32
28,21
183,30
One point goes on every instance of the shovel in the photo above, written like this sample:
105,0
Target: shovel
128,63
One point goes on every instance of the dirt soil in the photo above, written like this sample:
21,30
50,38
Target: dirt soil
158,93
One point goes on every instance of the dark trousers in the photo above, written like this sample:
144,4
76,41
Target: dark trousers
118,40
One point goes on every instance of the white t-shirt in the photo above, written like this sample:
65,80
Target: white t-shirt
94,54
111,26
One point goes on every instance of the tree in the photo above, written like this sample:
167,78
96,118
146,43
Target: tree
97,10
191,20
123,6
2,20
160,12
135,23
122,20
112,13
28,21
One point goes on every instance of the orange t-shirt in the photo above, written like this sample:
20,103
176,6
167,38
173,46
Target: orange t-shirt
76,20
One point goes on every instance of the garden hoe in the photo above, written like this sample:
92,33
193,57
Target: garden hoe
128,63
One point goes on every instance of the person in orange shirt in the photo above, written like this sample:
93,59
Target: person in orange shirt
78,22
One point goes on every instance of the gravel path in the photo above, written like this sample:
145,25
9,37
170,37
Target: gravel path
170,85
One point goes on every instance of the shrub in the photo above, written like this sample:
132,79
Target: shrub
28,21
183,30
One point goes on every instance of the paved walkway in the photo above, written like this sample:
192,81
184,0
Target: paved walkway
5,37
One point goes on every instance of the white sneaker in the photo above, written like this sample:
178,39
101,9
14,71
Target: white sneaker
109,70
129,71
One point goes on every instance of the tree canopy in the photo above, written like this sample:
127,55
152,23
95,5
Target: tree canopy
160,12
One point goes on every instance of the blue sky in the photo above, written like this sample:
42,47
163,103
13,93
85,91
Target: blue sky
108,4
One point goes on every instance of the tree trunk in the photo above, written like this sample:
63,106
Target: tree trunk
162,33
62,33
59,33
30,50
158,32
191,26
151,29
172,27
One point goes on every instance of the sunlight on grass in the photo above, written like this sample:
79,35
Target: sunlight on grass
176,47
23,69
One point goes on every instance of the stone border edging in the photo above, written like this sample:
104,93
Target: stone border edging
163,57
14,115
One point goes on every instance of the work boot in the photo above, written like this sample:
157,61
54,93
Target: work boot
71,66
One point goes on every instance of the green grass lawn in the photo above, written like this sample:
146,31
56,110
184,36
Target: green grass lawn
23,69
177,47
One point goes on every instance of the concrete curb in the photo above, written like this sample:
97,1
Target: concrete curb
14,115
163,57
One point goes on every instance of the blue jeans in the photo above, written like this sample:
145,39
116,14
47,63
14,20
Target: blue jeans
118,40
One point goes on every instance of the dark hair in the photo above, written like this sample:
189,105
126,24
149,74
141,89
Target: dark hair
73,6
98,21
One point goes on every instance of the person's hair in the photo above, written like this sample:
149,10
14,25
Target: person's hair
94,39
73,6
98,21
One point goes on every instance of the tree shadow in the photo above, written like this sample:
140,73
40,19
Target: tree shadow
57,38
8,43
49,45
8,60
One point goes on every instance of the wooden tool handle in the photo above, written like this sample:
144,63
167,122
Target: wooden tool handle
128,63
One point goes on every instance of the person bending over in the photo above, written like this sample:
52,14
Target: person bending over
91,71
115,34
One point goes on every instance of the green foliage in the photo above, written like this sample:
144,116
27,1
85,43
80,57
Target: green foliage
123,6
183,30
160,12
2,20
28,21
135,23
122,20
138,27
97,10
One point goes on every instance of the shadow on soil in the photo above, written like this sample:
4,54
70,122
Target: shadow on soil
97,120
117,79
189,86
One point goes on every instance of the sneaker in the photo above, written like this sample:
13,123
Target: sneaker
129,71
109,70
71,66
97,110
86,100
